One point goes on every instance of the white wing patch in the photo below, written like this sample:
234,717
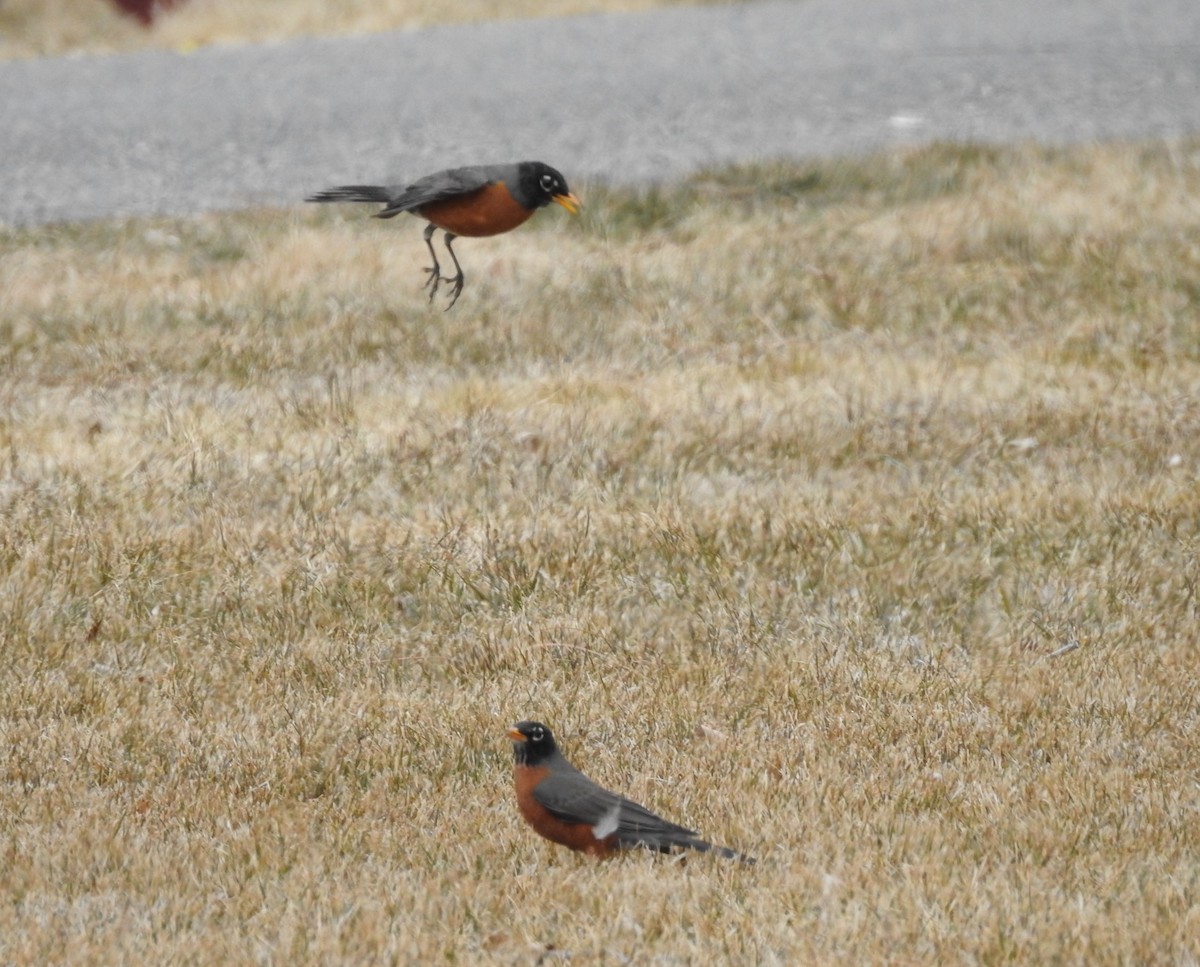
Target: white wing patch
608,822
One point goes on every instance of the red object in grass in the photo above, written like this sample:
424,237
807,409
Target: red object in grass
143,11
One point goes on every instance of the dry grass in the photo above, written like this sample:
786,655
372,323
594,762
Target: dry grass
848,512
32,28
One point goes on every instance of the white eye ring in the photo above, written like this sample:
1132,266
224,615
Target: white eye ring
547,181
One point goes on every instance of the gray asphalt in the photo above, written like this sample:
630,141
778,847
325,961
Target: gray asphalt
622,98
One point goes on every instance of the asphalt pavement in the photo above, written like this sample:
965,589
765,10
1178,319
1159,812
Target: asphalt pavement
623,98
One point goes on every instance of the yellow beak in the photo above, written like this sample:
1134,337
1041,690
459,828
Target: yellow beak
569,202
515,735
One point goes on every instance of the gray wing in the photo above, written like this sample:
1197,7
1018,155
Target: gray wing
574,798
444,184
431,188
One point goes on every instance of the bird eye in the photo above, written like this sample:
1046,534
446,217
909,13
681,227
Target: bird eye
548,181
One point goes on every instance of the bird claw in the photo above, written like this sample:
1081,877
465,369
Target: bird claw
433,280
454,292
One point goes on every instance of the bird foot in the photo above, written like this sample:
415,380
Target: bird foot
435,279
456,291
434,274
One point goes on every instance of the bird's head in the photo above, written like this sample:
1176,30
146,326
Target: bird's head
547,185
532,742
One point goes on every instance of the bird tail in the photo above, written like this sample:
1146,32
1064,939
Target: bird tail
377,193
672,843
702,846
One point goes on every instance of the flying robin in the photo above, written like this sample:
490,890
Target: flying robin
477,201
566,807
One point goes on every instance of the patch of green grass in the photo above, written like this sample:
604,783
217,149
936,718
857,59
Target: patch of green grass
747,190
921,174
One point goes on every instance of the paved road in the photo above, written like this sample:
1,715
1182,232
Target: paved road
624,98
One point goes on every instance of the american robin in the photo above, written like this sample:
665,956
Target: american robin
476,201
566,807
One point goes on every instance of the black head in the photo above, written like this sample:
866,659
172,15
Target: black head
540,184
532,742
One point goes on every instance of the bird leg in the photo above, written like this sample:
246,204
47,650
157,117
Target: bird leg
435,271
459,278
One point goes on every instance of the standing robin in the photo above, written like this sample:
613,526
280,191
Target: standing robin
477,201
566,807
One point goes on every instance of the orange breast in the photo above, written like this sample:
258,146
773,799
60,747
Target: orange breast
576,836
489,211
